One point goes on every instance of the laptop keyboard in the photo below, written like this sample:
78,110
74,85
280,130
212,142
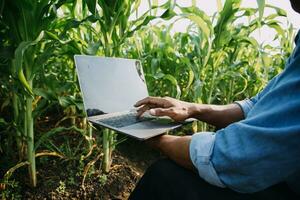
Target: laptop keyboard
123,120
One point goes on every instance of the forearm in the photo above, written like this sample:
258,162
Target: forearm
174,147
217,115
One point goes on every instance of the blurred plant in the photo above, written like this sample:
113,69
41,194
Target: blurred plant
61,189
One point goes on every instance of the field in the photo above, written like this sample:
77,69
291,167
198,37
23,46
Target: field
48,149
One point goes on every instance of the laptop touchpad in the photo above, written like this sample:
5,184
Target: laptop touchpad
148,129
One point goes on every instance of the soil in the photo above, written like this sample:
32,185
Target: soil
62,179
59,179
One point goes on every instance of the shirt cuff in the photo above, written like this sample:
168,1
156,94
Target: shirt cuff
201,148
246,105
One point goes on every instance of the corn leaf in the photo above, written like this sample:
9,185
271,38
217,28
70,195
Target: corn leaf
91,6
136,5
168,14
279,11
19,55
226,17
173,80
199,18
219,5
276,26
261,8
2,122
201,24
54,131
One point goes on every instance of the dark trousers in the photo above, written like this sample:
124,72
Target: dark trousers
166,180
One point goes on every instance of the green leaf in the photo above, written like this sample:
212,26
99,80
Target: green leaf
52,35
199,18
136,5
168,14
3,122
93,48
276,26
201,24
23,80
47,94
54,131
261,8
92,6
154,4
66,101
19,55
139,24
226,17
191,78
279,11
173,80
219,5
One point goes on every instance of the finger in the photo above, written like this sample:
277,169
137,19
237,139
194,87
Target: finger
142,102
150,100
141,110
162,112
144,108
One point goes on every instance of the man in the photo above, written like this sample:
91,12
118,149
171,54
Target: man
255,153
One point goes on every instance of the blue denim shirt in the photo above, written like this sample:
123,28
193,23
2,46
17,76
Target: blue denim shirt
264,148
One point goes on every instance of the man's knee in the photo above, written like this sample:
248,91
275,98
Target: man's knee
152,184
161,167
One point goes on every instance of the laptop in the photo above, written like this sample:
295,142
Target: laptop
110,87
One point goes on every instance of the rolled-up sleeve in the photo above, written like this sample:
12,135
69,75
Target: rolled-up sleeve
201,148
246,105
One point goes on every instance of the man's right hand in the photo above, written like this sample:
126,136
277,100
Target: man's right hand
166,106
219,116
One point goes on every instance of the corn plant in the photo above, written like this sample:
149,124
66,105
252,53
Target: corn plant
26,23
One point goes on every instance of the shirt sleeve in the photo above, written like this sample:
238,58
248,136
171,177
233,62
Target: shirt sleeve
249,158
246,105
201,148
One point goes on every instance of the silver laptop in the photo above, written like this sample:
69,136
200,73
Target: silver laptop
110,88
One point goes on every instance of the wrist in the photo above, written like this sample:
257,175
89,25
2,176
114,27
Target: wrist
164,142
198,110
158,142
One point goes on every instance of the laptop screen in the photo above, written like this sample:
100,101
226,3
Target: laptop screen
110,84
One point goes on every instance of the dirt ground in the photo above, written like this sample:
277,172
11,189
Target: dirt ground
59,179
63,179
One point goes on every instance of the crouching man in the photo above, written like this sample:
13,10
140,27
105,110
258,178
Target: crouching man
255,154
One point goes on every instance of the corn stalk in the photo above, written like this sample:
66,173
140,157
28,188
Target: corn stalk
25,22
